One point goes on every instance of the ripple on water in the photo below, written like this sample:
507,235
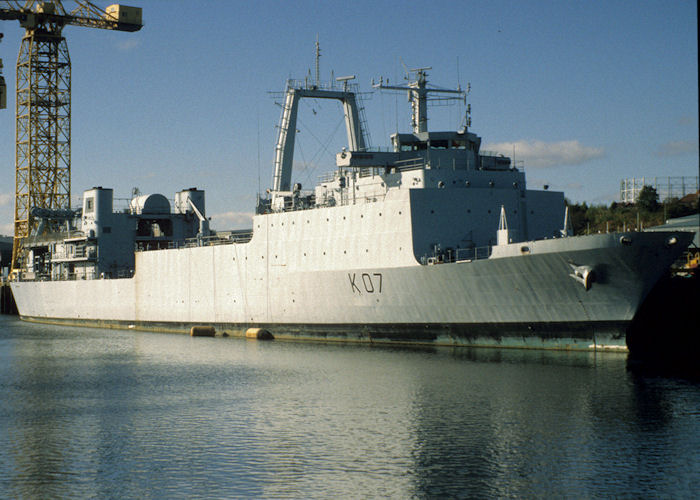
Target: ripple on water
120,413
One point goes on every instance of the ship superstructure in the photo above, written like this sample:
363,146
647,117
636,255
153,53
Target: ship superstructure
434,241
95,241
457,190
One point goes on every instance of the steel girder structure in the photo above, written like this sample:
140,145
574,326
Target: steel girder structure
43,105
43,130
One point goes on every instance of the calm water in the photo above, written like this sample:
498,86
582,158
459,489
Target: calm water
105,413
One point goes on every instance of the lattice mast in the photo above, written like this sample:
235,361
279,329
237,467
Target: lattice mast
43,103
418,95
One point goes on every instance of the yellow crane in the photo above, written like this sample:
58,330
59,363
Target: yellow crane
43,131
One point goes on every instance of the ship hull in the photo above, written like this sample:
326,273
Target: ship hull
508,300
583,336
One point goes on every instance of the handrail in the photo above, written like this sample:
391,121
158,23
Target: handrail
458,255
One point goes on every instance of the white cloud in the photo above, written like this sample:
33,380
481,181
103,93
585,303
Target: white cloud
547,154
675,148
6,228
129,44
232,220
687,120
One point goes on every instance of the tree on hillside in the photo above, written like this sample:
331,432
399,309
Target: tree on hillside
648,199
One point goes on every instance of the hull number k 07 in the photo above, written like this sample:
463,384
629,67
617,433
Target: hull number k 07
365,282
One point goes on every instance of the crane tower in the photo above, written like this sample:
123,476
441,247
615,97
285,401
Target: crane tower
43,102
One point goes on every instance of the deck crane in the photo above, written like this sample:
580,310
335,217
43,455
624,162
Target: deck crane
43,131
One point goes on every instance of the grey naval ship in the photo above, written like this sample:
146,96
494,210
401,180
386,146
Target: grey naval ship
432,241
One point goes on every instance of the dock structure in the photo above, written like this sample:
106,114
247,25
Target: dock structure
7,301
666,187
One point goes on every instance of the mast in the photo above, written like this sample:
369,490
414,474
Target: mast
418,94
284,149
318,57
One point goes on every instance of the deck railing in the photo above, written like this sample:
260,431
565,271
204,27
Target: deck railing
457,255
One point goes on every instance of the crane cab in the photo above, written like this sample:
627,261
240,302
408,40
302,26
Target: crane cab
125,15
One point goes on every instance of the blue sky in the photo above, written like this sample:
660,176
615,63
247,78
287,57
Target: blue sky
588,93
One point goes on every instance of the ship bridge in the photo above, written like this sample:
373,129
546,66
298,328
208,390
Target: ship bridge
367,175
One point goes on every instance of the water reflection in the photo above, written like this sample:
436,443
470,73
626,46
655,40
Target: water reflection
112,413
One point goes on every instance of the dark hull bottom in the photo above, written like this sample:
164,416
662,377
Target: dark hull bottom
665,330
590,336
